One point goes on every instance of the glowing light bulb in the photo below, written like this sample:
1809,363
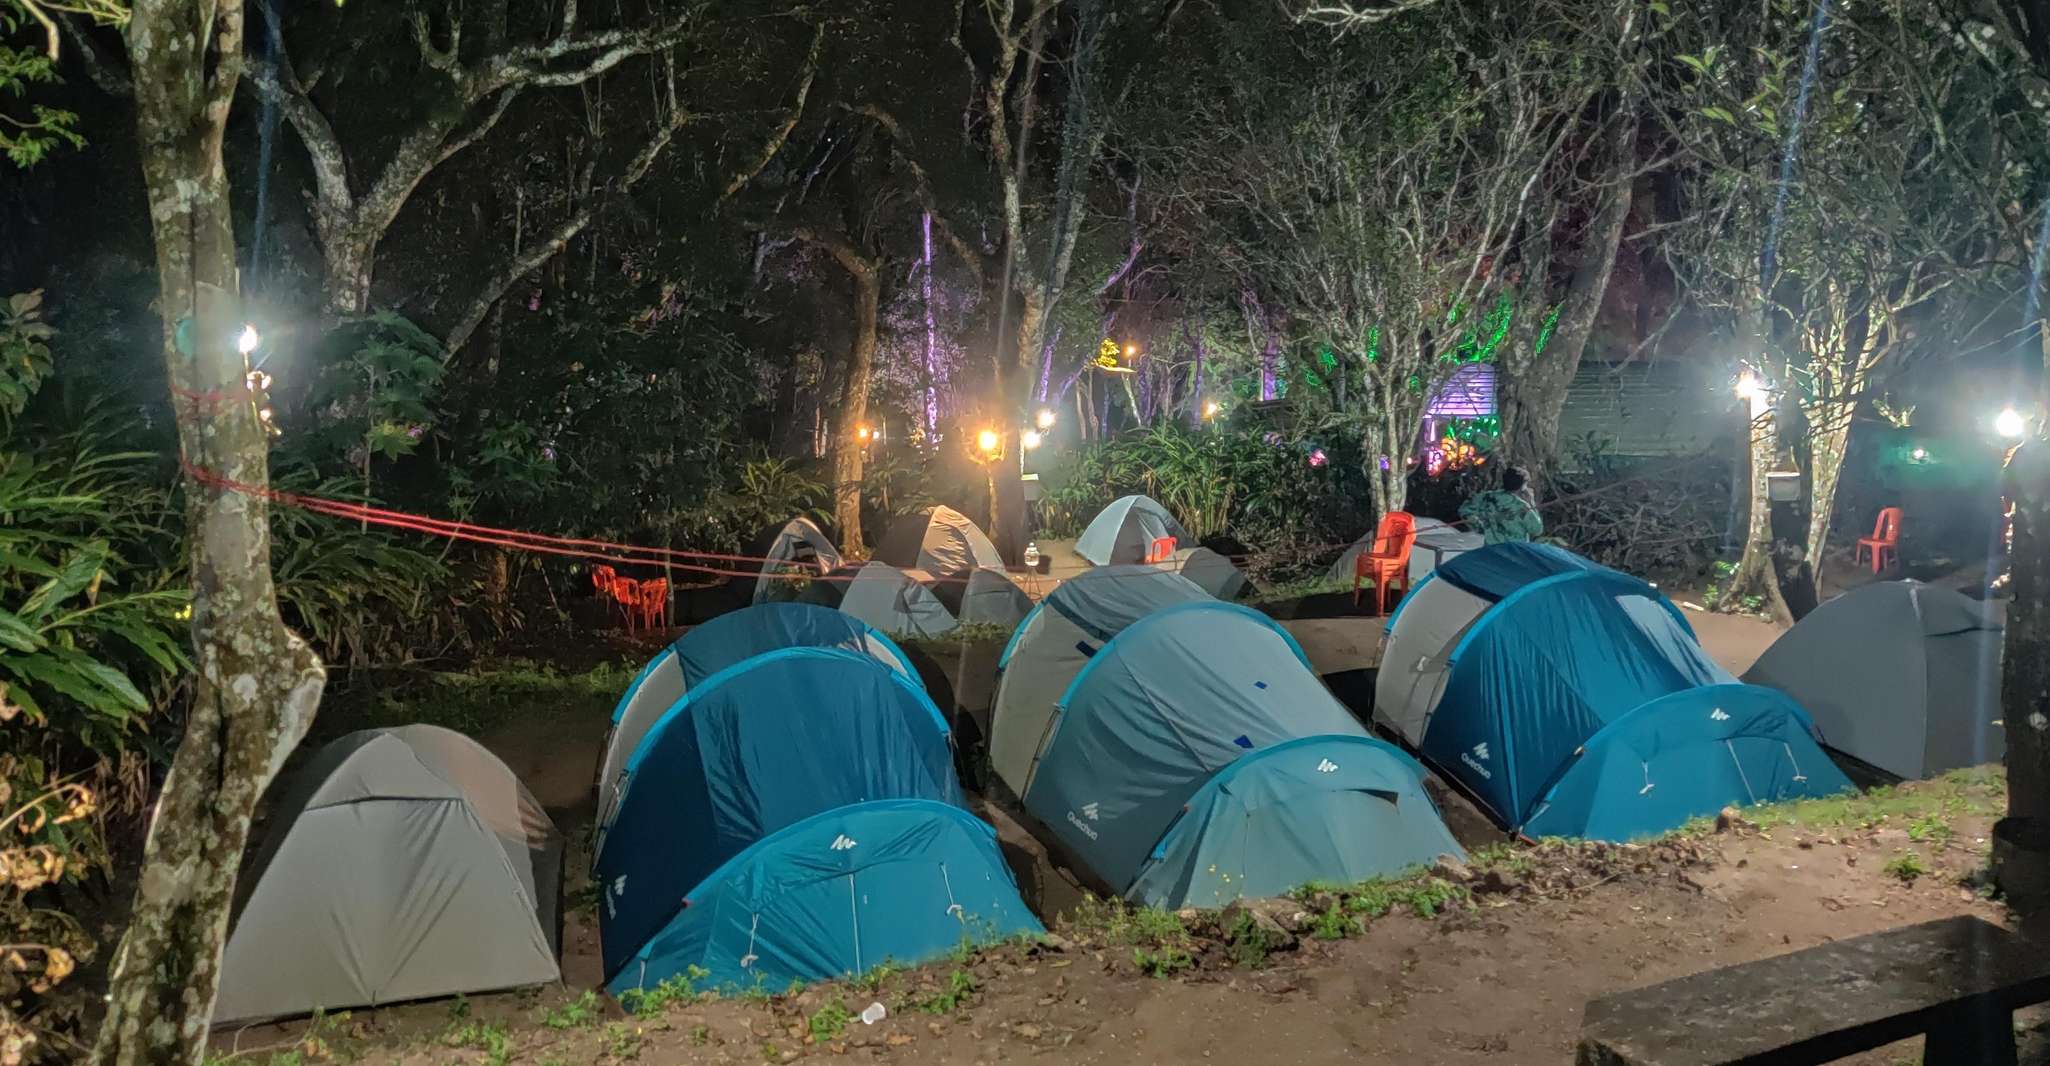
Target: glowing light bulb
248,341
1919,454
864,433
2010,424
988,440
1210,409
1131,351
1031,439
1045,419
1749,387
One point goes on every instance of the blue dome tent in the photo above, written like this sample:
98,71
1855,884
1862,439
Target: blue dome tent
723,642
1053,643
1323,808
1541,681
1169,708
836,895
754,749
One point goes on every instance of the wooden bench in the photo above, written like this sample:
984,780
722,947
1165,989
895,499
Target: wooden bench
1958,980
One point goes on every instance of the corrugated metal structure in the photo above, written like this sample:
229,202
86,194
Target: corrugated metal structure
1640,409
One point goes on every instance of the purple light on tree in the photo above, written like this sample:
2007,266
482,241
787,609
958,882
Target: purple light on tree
932,342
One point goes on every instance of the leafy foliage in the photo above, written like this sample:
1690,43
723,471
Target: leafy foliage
24,353
1231,483
28,140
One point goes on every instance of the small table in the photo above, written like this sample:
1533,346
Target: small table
1959,980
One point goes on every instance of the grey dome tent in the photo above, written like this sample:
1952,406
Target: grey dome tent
798,546
1056,640
402,864
1899,675
1123,531
937,540
1211,572
985,596
1214,693
886,598
1436,544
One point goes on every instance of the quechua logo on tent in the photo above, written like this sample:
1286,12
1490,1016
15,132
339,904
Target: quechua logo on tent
1088,811
1474,764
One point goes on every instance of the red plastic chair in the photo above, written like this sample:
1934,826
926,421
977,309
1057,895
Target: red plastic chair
654,603
1161,550
602,578
1885,540
1387,564
626,593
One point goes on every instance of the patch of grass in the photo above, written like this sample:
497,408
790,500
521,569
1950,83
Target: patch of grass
1907,866
1124,925
959,638
829,1020
700,1035
1503,855
1931,828
578,1013
476,701
959,987
872,982
1422,895
1250,942
1299,589
1164,962
671,990
1921,806
1334,924
489,1037
757,993
622,1041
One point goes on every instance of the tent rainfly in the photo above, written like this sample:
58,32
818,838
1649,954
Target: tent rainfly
723,642
986,596
836,895
401,864
1572,700
937,540
1902,676
1210,695
797,547
886,598
795,819
1436,544
1056,639
1123,531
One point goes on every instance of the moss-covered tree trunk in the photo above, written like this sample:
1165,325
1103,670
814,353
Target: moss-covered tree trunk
257,683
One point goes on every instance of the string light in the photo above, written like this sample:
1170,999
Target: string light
1045,419
864,433
1211,409
1031,439
257,380
2009,423
988,440
249,340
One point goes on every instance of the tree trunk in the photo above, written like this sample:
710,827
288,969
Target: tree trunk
847,445
1756,574
257,684
2020,863
1829,435
348,263
1534,392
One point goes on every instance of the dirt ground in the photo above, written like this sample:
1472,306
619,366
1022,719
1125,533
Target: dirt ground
1503,980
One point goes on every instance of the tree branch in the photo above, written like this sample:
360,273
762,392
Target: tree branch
532,257
780,136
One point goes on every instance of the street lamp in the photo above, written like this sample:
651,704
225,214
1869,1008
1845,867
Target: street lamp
2010,424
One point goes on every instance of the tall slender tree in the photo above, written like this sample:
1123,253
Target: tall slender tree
257,683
